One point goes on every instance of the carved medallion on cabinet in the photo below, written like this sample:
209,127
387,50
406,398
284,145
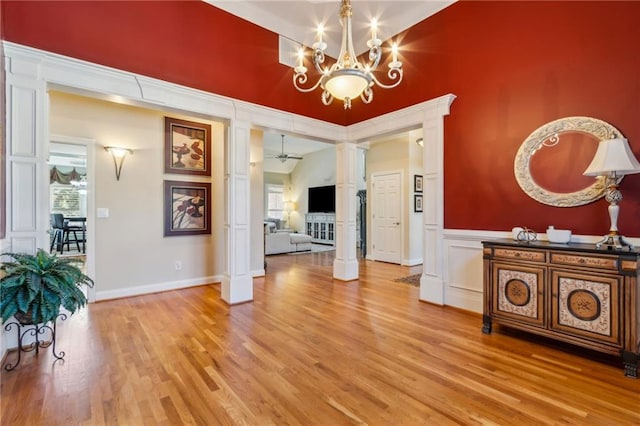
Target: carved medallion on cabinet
586,305
518,292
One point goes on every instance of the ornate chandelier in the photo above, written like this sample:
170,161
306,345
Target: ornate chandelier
347,78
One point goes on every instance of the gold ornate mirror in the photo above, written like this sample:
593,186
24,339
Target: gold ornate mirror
550,162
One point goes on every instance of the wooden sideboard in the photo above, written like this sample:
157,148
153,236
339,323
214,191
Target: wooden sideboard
569,292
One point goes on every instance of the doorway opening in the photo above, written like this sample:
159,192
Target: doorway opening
70,201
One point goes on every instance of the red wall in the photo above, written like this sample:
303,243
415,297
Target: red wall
515,66
512,65
185,42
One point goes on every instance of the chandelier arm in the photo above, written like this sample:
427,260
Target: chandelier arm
375,53
300,78
394,73
318,60
326,97
367,95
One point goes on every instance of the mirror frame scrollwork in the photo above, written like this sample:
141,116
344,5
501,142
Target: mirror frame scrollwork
599,129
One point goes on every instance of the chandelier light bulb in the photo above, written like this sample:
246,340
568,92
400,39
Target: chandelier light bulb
320,44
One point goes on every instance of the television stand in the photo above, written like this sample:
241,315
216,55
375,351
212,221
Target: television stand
321,227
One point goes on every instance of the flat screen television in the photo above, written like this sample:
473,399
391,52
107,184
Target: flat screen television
322,199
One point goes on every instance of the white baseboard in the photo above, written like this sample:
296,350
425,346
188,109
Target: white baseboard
155,288
412,262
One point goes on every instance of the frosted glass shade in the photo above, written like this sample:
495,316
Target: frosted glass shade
613,155
346,83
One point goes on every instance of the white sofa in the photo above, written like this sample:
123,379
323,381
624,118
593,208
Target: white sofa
283,241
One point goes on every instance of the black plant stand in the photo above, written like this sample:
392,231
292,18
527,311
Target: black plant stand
37,331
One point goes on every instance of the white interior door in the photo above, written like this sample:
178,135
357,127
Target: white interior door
386,211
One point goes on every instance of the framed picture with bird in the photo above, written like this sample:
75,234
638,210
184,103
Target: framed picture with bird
187,208
187,147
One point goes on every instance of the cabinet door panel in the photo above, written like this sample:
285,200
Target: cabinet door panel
518,293
586,305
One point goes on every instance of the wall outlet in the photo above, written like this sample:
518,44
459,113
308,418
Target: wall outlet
178,265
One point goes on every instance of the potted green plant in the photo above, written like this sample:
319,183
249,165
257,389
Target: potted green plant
35,287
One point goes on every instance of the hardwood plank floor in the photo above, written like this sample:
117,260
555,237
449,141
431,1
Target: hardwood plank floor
308,351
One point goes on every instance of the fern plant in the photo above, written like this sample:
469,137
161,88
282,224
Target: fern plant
36,286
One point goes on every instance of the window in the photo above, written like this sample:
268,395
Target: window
275,201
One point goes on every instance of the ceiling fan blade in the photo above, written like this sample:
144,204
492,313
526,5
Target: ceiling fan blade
283,156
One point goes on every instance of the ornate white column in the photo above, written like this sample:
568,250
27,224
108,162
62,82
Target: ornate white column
345,265
237,283
27,150
432,280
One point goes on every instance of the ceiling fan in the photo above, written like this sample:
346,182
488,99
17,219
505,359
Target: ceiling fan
284,156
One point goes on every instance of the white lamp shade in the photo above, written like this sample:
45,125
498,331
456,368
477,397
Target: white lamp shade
613,155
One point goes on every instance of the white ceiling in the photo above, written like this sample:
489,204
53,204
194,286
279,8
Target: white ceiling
272,145
298,21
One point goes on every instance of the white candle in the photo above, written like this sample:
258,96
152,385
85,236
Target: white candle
320,31
374,29
394,50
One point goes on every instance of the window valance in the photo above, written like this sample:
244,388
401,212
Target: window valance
57,175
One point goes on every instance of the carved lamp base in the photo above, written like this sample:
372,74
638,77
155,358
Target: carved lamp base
614,241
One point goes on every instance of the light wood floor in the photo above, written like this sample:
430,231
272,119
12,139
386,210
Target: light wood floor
308,351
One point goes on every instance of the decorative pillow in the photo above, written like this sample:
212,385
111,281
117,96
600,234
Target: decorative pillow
277,222
269,227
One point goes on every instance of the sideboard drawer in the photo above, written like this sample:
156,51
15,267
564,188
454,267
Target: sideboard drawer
576,259
520,254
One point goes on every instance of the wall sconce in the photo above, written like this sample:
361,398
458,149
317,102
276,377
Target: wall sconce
118,154
420,142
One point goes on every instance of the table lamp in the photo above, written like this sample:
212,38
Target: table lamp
613,160
288,208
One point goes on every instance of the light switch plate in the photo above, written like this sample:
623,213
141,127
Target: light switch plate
102,212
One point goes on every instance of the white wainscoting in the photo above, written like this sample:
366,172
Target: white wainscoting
463,273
